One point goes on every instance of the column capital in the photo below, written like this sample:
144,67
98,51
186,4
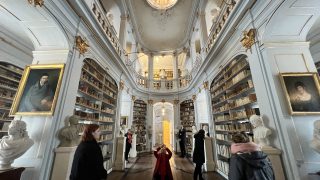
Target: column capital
124,17
201,13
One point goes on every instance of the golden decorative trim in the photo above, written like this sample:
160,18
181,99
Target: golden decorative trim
81,45
163,100
248,38
176,101
133,98
121,86
150,101
36,2
194,97
206,85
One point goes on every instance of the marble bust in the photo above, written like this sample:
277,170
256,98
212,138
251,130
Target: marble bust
260,132
315,143
194,130
122,130
15,144
69,135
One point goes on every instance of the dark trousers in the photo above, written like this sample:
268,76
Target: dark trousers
182,148
126,152
198,172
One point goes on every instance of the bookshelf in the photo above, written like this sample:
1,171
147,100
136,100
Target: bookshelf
233,102
10,76
96,104
139,124
187,117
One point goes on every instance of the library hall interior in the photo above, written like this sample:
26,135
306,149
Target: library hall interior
159,89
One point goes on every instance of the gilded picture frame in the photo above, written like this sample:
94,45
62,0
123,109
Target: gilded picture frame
302,91
38,90
124,121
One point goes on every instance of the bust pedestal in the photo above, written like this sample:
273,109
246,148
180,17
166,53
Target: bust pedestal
133,150
12,174
119,160
274,156
62,163
208,145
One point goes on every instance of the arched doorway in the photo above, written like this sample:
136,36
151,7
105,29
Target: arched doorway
163,124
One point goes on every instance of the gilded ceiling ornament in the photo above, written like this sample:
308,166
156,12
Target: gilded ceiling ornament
133,98
162,4
194,97
36,2
248,38
81,45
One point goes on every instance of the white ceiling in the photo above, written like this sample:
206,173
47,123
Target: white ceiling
161,31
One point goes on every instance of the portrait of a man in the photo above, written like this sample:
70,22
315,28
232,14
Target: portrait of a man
37,93
302,92
124,121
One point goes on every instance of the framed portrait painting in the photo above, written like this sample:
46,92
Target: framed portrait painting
124,121
38,90
205,127
302,92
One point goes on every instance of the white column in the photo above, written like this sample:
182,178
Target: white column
203,31
177,124
175,69
122,31
150,123
150,70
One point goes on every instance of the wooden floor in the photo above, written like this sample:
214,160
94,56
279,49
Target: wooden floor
141,168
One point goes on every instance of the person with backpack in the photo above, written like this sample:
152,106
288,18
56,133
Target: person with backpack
248,162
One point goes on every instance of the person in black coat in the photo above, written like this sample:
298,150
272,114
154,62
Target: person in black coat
88,161
248,162
128,136
198,154
182,142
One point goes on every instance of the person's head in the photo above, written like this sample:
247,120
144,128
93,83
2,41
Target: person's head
240,138
300,87
44,79
256,121
91,132
17,129
201,133
181,127
162,149
73,120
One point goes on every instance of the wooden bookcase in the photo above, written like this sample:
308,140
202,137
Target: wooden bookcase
96,103
187,117
233,102
10,76
139,124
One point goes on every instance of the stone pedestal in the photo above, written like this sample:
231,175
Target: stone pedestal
133,150
274,156
119,160
62,163
208,145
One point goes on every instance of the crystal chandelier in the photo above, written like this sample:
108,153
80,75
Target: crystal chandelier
162,4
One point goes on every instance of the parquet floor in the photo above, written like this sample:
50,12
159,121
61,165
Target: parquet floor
141,168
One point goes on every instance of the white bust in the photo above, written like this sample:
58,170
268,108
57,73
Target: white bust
194,130
315,143
260,132
122,130
206,132
14,145
69,135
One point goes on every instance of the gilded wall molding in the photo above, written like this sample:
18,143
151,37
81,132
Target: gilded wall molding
36,2
248,38
81,45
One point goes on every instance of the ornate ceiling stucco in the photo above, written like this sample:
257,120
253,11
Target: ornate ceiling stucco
162,30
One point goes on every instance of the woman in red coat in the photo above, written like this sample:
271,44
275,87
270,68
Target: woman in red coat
162,171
